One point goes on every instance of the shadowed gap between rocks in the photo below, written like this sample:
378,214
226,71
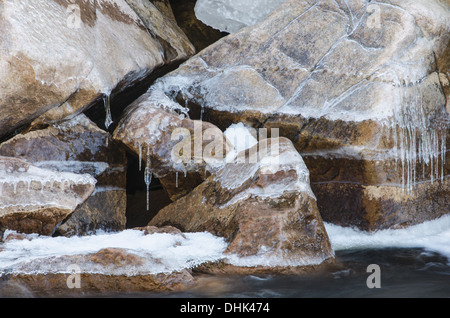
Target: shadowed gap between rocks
200,34
137,214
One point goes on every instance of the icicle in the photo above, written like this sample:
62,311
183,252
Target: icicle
420,142
148,177
148,180
443,152
107,104
140,157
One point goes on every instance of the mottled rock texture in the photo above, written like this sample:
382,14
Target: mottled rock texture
361,90
68,55
79,146
265,209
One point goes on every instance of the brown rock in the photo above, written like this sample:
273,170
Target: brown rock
94,285
362,100
76,53
79,146
148,230
35,200
156,133
271,218
200,34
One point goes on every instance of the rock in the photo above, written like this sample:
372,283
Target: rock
79,146
172,147
105,261
151,259
16,236
94,285
200,34
36,200
232,15
70,55
165,229
362,99
165,7
264,208
175,45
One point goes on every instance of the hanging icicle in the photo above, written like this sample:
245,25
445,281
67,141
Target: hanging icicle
107,104
140,156
148,174
421,143
148,180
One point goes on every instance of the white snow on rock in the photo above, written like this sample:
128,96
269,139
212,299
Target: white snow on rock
269,157
232,15
158,253
240,137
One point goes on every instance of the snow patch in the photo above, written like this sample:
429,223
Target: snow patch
160,252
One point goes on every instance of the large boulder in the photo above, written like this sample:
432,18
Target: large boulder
79,146
262,204
69,55
358,87
36,200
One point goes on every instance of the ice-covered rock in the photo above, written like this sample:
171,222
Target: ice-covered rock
232,15
36,200
122,262
358,87
59,57
79,146
262,204
179,151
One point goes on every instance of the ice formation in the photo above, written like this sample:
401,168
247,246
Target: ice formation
24,185
272,156
232,15
419,134
107,104
159,252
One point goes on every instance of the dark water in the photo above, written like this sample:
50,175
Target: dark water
404,273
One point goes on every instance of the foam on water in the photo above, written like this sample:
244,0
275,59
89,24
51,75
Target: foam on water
432,235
